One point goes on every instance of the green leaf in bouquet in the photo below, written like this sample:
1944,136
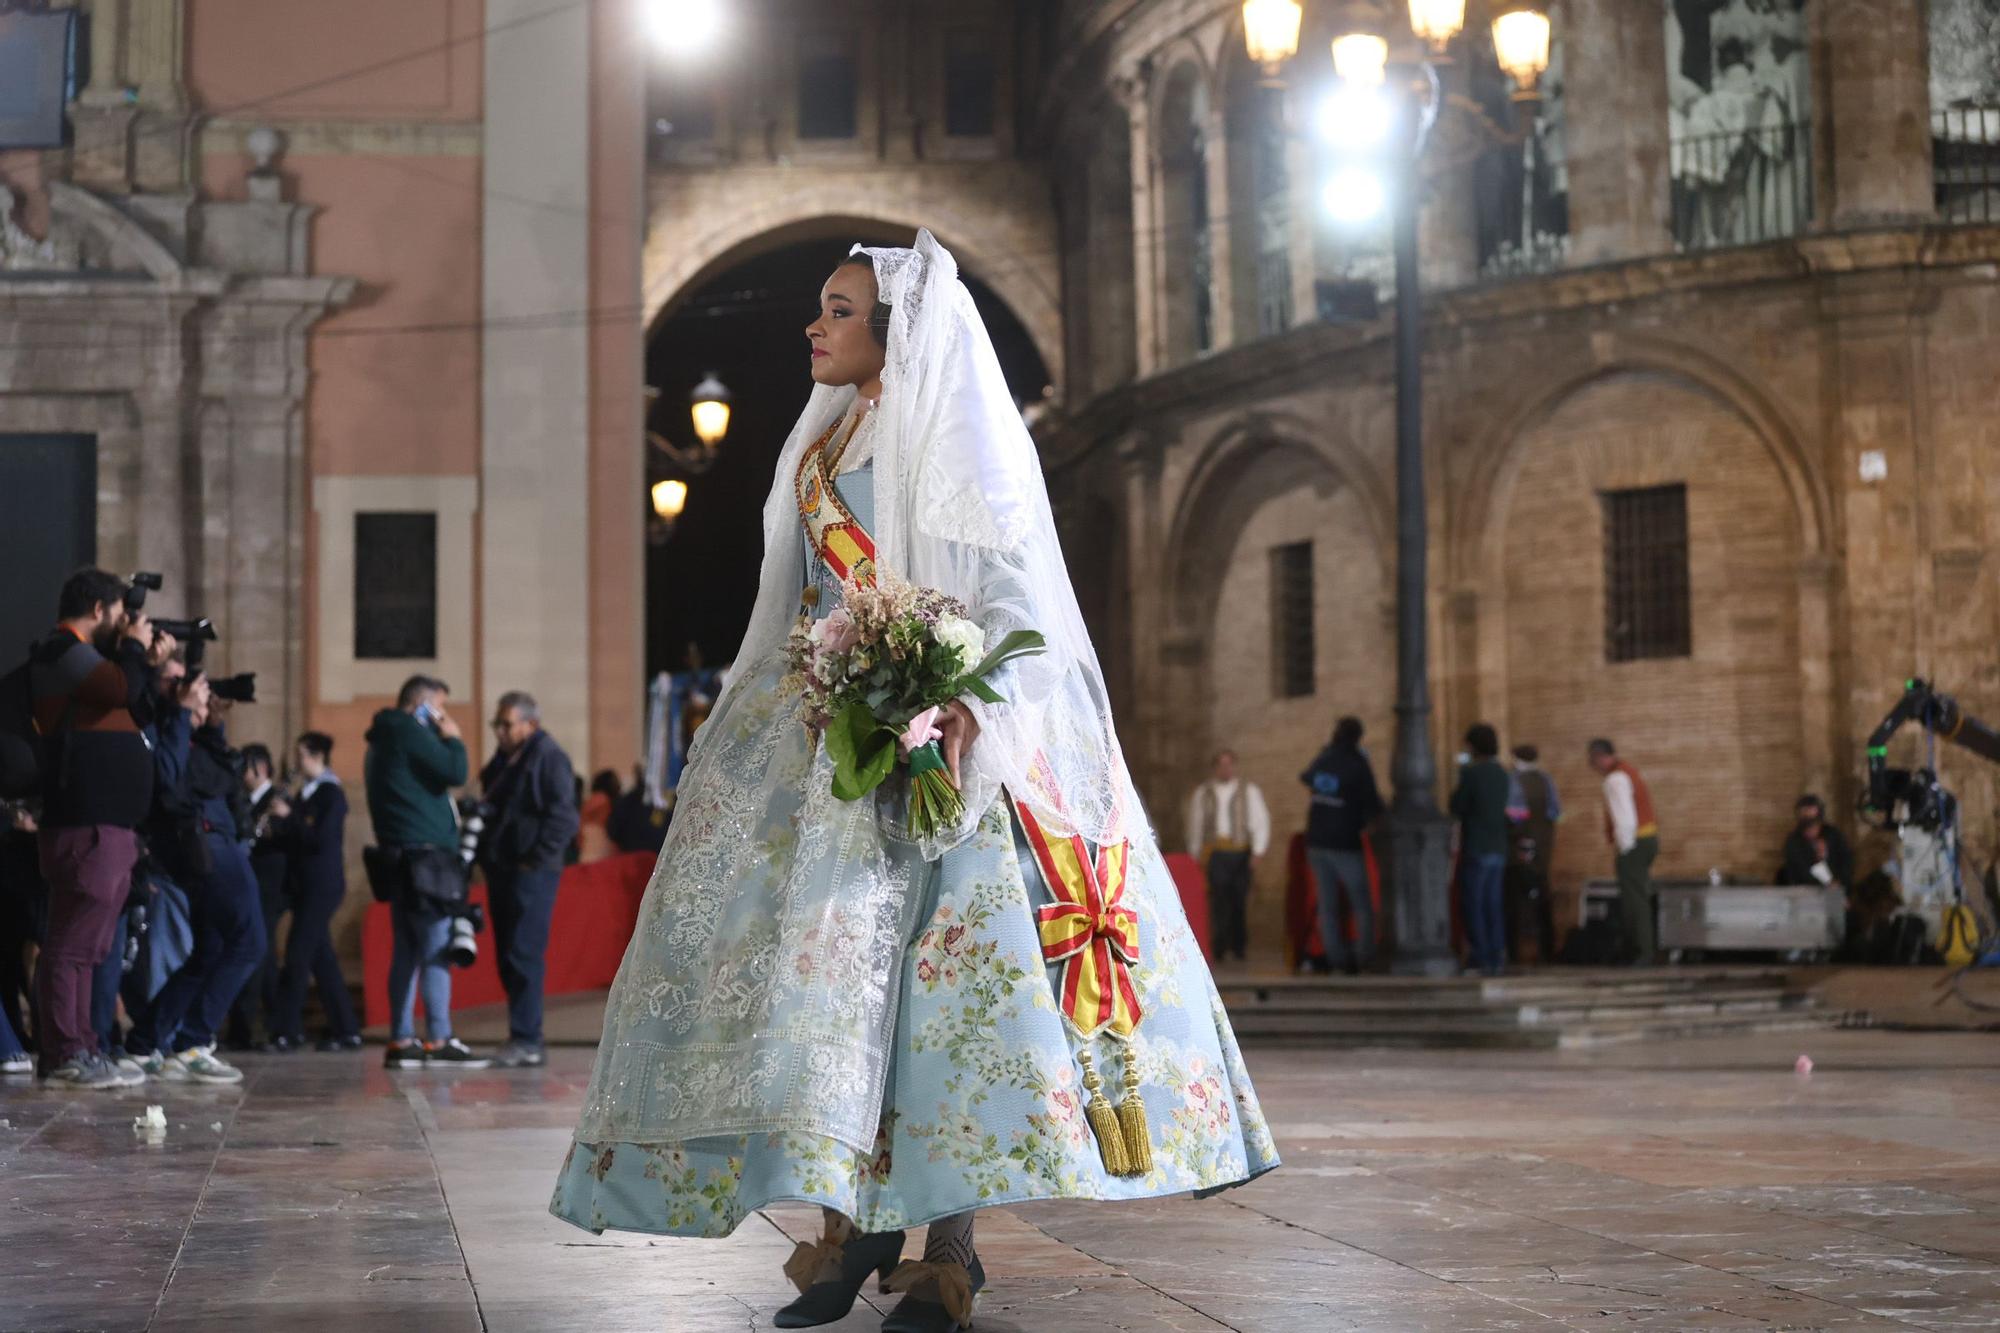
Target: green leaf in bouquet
979,688
863,751
1021,643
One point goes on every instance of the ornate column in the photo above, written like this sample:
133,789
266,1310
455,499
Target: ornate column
1135,93
1615,131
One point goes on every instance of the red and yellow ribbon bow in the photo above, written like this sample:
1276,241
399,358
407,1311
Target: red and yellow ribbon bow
1088,929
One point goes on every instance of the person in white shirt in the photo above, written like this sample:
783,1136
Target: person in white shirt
1229,829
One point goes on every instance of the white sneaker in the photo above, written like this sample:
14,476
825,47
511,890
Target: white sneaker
84,1073
18,1064
130,1072
164,1066
203,1065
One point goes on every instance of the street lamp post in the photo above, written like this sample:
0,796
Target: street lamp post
1419,832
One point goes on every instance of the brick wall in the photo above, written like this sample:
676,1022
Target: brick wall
1717,734
1354,650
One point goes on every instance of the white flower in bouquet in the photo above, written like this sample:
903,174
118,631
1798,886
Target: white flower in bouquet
962,634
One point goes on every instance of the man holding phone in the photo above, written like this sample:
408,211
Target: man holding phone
416,755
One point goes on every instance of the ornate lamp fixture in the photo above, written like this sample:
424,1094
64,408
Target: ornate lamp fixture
1271,31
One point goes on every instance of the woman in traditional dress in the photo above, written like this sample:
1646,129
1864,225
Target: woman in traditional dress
817,1005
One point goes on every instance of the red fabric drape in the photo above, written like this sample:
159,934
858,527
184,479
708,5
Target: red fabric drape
597,907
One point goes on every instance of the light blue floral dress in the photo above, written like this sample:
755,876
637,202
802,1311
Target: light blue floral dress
984,1103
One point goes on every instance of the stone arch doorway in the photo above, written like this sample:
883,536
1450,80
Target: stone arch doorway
1546,668
1022,277
746,324
1262,488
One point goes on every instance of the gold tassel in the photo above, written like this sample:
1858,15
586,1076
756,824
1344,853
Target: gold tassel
1103,1122
1132,1120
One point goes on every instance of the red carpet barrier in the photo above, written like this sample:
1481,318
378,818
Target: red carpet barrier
597,907
1302,933
1193,884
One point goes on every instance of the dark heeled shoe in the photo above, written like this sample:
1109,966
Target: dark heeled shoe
824,1302
919,1314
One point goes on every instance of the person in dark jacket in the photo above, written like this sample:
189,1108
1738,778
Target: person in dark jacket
314,835
532,788
1345,802
205,856
1480,806
258,1004
86,679
415,757
1815,851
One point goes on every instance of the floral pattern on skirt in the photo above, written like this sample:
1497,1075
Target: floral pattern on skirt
985,1101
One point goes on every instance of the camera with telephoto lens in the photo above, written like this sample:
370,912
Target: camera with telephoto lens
463,950
473,817
195,636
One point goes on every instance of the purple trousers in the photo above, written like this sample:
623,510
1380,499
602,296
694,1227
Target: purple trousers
89,873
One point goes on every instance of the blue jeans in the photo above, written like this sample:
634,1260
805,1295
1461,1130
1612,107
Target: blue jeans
1485,910
522,903
1343,875
104,986
419,956
228,944
10,1045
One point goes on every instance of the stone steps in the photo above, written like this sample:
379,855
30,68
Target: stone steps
1536,1010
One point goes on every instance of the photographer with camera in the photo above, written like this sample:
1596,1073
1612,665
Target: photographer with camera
315,836
87,685
202,816
415,757
531,789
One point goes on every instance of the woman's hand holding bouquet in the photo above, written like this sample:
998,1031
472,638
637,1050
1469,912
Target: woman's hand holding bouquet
877,672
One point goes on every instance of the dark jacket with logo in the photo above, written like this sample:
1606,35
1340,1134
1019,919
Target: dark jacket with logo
1344,799
533,794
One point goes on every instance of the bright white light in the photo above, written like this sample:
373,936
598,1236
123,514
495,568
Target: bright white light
684,28
1354,117
1360,57
1355,194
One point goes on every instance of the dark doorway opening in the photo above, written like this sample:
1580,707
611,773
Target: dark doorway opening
48,509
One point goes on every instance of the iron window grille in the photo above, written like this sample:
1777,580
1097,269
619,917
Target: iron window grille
1292,666
1647,613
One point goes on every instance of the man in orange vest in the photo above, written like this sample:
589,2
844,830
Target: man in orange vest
1635,835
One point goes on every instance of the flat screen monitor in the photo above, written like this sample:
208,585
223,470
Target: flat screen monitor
37,76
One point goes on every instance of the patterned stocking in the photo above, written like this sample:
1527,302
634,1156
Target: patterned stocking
949,1240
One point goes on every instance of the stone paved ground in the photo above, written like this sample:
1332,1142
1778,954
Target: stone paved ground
1695,1185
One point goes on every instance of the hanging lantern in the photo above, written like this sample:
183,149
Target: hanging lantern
1271,31
1521,45
669,499
1359,58
711,410
1437,21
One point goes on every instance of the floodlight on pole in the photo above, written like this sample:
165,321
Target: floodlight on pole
1359,58
687,29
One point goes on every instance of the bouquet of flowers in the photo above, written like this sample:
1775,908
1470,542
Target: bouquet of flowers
875,673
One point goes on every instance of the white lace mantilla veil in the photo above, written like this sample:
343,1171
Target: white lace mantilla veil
708,1031
961,506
